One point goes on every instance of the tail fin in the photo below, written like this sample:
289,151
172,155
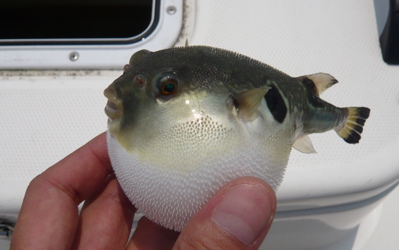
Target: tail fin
353,127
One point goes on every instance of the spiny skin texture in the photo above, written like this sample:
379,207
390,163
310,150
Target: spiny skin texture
183,122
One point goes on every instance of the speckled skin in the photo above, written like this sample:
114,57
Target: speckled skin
172,153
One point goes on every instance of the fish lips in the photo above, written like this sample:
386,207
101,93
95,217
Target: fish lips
114,107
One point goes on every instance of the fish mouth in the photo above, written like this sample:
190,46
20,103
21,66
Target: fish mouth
114,108
111,110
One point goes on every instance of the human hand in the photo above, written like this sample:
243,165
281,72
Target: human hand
237,217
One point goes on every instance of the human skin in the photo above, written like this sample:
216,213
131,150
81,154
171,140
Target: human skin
238,216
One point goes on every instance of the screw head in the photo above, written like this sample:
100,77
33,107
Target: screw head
171,10
73,56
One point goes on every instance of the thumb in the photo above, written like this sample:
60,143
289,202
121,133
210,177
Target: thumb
238,216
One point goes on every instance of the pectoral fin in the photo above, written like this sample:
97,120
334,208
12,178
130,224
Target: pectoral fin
318,83
304,144
247,102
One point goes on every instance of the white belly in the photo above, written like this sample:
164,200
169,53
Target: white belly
173,178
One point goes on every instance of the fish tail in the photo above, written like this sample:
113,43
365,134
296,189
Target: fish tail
352,127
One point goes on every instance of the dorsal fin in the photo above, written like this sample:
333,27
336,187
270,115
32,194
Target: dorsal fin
318,82
247,102
304,144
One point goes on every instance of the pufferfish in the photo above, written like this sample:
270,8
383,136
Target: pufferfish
185,121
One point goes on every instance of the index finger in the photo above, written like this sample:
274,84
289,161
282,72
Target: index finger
49,214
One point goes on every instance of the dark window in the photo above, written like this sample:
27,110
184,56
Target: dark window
75,21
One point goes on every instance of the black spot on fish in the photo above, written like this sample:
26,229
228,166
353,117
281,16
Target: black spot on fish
276,104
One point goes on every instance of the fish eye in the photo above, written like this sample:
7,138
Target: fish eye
167,85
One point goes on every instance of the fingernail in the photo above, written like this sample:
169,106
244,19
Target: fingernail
244,212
